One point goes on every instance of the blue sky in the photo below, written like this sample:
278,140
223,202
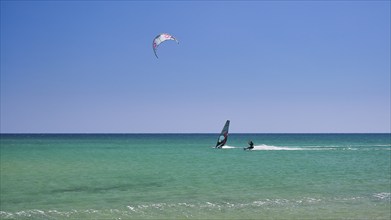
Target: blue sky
286,66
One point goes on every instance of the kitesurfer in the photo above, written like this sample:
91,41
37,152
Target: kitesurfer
251,145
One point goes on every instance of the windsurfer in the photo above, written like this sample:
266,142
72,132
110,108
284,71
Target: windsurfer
223,136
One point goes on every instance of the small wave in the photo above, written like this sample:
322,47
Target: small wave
152,210
383,196
183,209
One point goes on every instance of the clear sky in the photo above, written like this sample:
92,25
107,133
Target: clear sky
269,67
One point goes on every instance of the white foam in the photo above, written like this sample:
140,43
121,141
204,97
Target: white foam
133,209
228,147
269,147
312,148
151,210
383,196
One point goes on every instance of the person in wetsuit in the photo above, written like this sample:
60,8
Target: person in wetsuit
251,145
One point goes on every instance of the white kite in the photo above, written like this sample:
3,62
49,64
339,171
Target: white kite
160,39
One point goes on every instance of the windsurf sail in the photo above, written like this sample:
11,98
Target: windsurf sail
160,39
223,137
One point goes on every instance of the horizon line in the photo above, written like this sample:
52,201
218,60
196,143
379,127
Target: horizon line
5,133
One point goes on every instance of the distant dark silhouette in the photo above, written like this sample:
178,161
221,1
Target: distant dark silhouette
251,146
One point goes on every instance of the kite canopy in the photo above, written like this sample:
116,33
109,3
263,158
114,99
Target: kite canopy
160,39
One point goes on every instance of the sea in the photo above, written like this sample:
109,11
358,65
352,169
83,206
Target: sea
181,176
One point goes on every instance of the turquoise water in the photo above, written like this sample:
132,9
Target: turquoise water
179,176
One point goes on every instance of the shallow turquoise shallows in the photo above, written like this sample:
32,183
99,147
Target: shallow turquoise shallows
180,176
